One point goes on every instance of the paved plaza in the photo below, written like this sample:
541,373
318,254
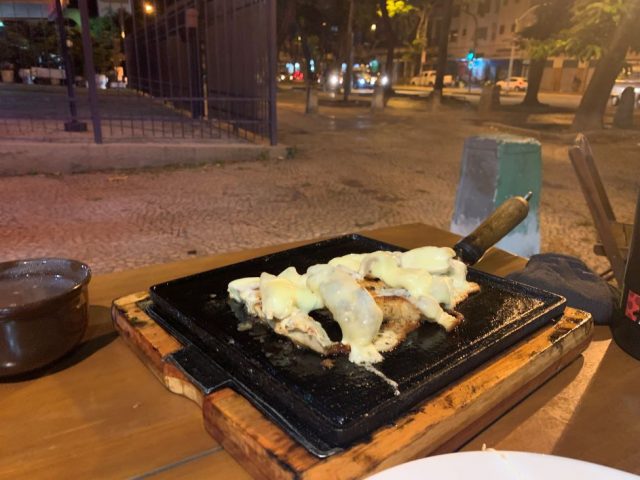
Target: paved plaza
351,170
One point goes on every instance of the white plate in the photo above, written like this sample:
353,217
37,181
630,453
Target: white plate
500,465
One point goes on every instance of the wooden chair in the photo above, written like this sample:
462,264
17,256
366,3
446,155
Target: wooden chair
614,236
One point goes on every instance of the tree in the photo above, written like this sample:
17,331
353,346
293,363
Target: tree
26,44
306,26
399,21
419,44
105,35
287,19
319,27
542,39
605,30
443,47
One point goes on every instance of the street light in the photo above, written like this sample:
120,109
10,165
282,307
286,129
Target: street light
373,27
149,9
513,41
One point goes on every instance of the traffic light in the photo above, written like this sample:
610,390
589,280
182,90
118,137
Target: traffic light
471,55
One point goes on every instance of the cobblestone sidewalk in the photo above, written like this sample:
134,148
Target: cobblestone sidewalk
352,170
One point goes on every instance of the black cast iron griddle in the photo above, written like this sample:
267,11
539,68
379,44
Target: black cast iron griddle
329,409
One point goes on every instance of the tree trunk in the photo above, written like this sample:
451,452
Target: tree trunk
346,83
534,79
306,51
590,113
308,74
443,46
421,37
391,46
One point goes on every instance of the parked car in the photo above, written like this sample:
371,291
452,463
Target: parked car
632,80
428,79
519,84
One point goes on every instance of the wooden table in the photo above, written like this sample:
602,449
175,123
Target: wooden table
101,413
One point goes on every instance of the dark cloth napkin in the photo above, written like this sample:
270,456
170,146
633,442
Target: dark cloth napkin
571,278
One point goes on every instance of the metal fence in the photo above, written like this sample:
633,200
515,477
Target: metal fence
192,69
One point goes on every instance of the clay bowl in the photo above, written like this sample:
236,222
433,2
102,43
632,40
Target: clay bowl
43,311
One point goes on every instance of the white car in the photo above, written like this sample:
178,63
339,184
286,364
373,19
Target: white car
428,79
620,85
519,84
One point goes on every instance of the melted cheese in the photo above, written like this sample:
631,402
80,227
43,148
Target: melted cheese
351,261
428,277
384,266
441,289
458,275
305,299
278,296
425,291
246,290
432,259
352,307
418,282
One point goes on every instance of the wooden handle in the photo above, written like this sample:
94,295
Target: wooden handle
504,219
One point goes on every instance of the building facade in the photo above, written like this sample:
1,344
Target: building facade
489,28
24,10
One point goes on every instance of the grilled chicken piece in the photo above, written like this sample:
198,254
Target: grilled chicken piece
400,317
305,331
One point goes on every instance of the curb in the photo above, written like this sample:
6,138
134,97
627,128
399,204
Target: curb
23,158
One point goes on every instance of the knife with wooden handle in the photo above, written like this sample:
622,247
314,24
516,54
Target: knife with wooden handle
504,219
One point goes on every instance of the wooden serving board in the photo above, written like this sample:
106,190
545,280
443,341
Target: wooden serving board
443,423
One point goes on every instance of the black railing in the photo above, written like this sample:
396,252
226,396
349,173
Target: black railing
209,60
194,69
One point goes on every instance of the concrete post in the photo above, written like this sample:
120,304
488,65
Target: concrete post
377,102
489,98
495,168
623,117
312,100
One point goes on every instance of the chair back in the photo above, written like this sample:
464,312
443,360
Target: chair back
598,201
